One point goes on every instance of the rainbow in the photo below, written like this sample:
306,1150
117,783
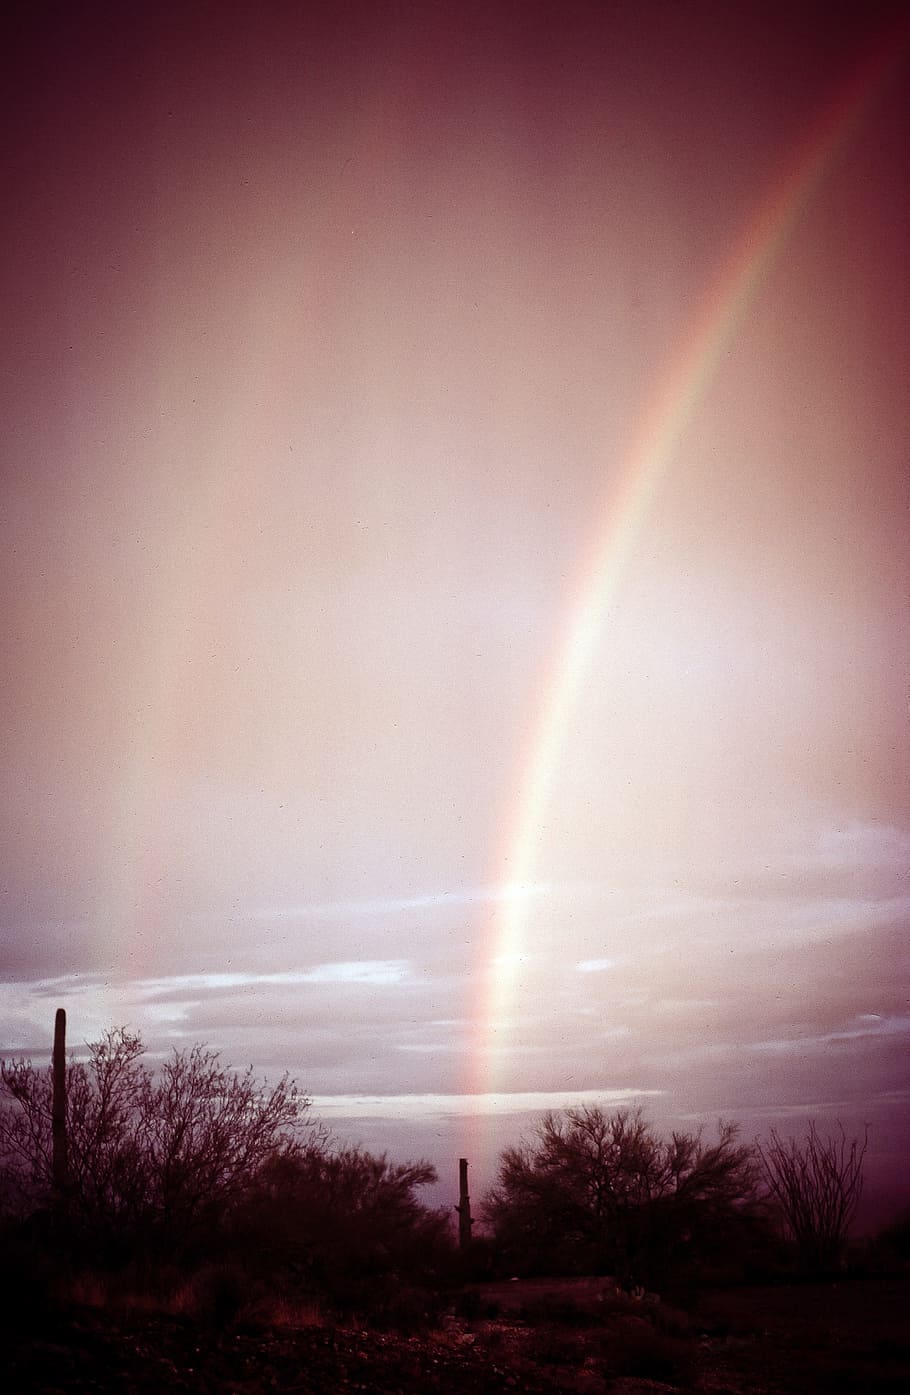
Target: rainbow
246,414
661,425
193,574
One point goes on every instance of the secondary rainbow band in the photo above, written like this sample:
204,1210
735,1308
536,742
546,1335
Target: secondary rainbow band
218,469
662,424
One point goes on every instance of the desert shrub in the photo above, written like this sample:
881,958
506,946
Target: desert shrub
394,1305
561,1310
469,1304
593,1193
554,1344
815,1185
217,1295
347,1225
636,1348
205,1191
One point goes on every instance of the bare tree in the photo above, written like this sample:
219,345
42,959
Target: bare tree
816,1184
151,1158
206,1133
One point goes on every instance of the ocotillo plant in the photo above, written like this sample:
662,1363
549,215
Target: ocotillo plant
58,1111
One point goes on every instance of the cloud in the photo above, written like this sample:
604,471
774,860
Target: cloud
486,1105
648,980
395,905
379,971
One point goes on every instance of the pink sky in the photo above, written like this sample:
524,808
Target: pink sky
325,335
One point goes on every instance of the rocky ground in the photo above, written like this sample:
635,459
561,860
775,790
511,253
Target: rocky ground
839,1340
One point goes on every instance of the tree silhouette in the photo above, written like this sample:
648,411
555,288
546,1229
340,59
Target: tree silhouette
345,1223
816,1185
154,1160
595,1192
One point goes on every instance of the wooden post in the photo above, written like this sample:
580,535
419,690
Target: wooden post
464,1206
58,1113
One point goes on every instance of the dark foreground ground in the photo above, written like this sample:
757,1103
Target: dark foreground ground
851,1338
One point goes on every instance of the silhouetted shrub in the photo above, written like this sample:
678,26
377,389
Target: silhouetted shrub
347,1225
156,1161
593,1193
815,1184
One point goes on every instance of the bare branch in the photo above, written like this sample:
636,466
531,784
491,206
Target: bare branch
816,1185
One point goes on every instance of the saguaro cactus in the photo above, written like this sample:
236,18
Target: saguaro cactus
464,1206
58,1111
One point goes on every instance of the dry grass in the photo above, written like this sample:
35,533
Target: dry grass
214,1295
291,1313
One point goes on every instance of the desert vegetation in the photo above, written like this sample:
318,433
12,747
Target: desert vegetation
602,1193
815,1186
210,1212
160,1176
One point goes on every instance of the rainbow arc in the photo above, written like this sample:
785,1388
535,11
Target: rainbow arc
662,424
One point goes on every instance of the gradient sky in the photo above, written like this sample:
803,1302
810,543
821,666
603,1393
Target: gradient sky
333,341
